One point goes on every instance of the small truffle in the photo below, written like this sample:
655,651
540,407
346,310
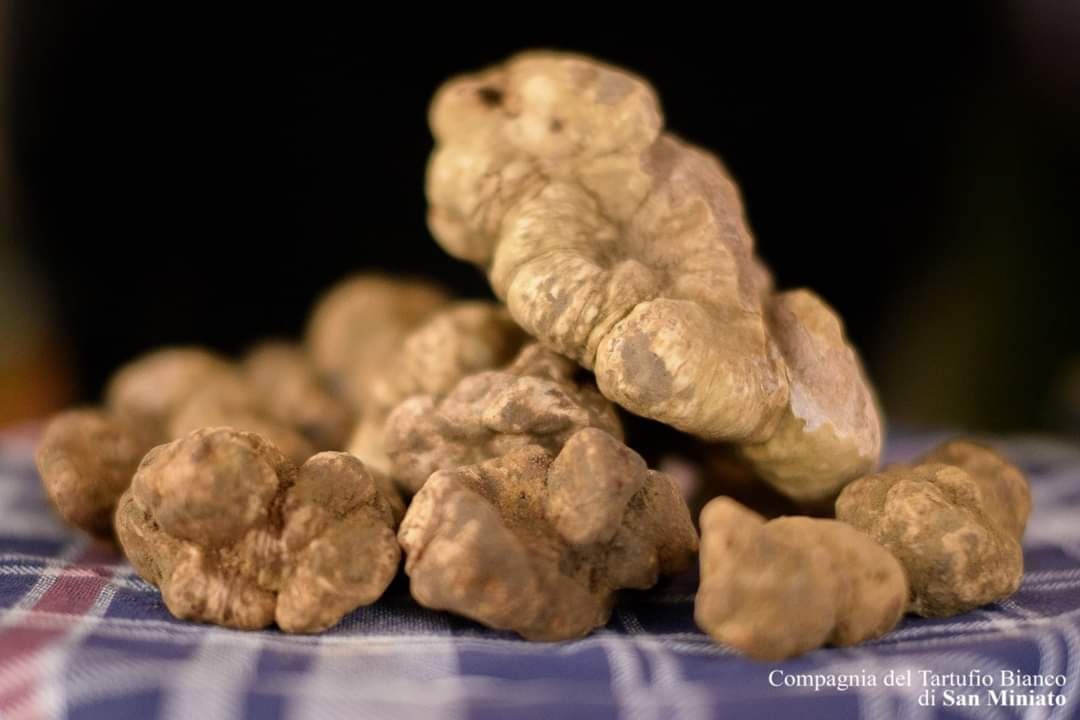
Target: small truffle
291,391
533,401
539,544
358,326
777,589
954,520
151,388
86,458
229,400
234,534
463,338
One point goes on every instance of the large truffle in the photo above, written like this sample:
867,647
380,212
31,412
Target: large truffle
627,249
954,520
464,338
234,534
533,401
537,543
778,589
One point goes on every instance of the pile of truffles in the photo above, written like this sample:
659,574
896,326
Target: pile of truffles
485,442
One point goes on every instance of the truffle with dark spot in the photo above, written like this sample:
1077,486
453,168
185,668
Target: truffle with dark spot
627,249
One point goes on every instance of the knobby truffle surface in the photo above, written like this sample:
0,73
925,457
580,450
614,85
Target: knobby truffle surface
627,249
235,534
954,520
533,401
464,338
537,543
777,589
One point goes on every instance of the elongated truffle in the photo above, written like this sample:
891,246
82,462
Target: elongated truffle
627,249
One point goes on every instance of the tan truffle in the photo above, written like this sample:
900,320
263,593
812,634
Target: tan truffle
777,589
86,458
357,328
297,546
1005,491
533,401
282,375
231,401
463,338
152,387
627,249
954,520
510,543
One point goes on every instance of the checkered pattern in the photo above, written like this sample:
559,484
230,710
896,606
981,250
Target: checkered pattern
82,636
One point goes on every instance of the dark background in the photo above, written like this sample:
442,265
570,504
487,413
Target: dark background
187,176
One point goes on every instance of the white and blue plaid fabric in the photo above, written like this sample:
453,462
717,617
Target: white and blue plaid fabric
82,636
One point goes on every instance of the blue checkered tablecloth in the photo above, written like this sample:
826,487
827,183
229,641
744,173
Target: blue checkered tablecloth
82,636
